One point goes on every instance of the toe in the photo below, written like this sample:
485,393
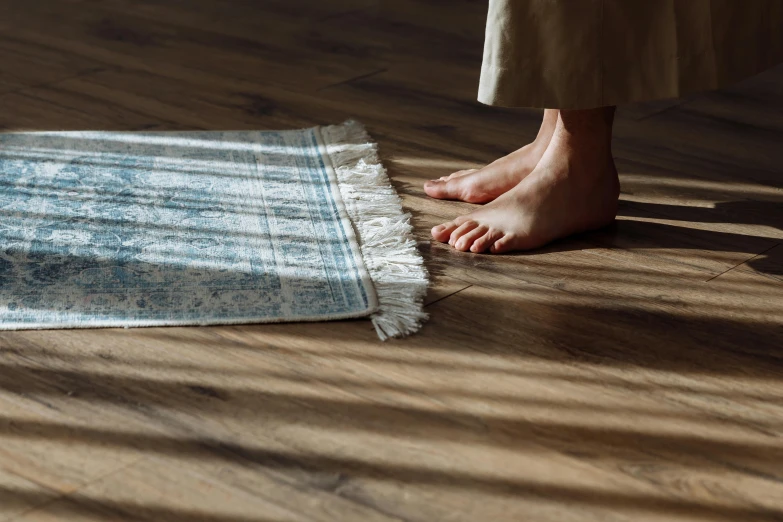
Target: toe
455,186
483,243
457,174
464,243
434,187
461,230
439,189
503,245
461,173
443,232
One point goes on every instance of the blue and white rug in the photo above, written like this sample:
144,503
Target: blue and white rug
102,229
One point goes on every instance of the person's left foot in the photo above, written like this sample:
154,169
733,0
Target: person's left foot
487,183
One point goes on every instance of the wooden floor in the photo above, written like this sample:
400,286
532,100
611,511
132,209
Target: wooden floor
631,374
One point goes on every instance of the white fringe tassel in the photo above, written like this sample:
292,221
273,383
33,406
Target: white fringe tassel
383,229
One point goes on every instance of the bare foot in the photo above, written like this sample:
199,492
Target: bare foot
573,188
485,184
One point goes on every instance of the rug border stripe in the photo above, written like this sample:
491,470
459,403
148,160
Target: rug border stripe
347,224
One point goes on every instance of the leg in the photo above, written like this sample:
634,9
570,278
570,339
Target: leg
483,185
573,188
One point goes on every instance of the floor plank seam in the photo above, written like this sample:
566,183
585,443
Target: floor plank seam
138,65
341,14
200,475
447,296
354,79
744,262
107,102
221,451
660,111
68,495
647,255
44,85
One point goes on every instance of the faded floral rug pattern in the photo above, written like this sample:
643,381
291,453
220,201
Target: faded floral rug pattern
142,229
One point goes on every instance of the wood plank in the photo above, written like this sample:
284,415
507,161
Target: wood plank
168,489
18,495
213,44
27,65
628,374
768,264
268,405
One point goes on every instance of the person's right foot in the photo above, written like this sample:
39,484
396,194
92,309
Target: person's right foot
485,184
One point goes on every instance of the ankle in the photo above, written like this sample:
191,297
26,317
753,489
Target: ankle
547,129
586,133
590,122
539,145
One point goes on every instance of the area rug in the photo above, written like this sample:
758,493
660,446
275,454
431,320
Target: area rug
109,229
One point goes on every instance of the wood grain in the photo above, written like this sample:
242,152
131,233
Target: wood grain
630,374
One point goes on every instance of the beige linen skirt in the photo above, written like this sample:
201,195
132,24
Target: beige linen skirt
578,54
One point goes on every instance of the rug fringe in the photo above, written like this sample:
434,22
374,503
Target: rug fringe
383,229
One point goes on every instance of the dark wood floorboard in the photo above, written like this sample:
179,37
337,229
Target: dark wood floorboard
630,374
